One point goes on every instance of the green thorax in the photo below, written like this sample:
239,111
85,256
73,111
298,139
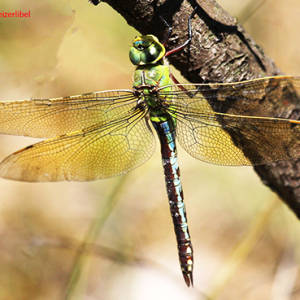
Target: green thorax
153,75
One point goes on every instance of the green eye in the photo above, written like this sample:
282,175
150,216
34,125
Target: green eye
134,56
146,49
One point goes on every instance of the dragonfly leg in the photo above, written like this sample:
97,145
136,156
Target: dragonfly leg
187,41
169,28
173,78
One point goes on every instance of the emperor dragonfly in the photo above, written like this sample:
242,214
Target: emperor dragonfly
105,134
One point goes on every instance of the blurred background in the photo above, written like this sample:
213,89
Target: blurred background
114,238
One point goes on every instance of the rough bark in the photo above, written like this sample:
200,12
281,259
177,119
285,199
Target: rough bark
220,51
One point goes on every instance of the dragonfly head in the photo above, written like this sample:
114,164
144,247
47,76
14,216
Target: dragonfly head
146,49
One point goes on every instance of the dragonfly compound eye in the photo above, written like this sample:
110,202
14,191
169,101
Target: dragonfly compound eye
146,49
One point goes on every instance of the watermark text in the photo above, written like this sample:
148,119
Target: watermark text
16,14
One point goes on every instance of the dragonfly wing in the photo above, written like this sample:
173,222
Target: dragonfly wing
47,118
232,140
98,151
237,124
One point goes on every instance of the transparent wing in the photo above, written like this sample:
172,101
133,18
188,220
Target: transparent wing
46,118
237,124
120,142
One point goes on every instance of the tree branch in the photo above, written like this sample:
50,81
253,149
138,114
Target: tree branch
220,51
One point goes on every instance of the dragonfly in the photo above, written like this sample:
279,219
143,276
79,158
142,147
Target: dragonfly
109,133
